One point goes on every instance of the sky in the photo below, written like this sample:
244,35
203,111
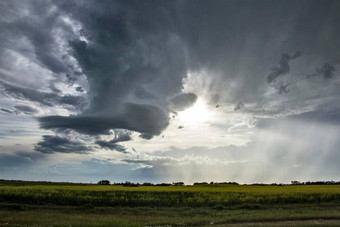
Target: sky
166,91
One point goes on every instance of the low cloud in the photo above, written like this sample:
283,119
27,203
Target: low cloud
183,101
147,119
53,144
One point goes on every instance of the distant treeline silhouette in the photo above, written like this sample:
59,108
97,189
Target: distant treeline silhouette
131,184
315,183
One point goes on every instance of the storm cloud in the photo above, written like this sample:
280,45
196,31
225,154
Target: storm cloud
45,98
120,136
183,101
103,74
146,119
52,144
283,67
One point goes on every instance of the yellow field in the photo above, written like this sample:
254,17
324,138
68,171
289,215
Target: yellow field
65,204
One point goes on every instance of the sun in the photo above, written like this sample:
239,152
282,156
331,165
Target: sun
198,114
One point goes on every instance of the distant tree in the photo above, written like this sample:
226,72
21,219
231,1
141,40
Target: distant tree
163,184
104,182
199,183
130,184
178,183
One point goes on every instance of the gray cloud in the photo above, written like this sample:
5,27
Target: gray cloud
79,89
133,57
327,71
5,110
52,144
111,146
30,94
183,101
45,98
281,87
120,136
240,105
26,109
283,67
117,64
141,93
18,160
130,57
146,119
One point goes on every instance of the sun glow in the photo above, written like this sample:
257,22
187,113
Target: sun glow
199,113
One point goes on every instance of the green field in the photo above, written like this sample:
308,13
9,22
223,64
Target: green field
62,204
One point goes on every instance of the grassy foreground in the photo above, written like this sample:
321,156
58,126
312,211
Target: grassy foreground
56,204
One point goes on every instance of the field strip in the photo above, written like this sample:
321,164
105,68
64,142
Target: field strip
310,222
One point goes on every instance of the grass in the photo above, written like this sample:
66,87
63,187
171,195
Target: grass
149,216
63,204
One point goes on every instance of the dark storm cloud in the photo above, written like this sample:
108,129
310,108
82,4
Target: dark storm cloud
29,94
52,144
146,119
144,94
283,67
183,101
140,53
26,109
71,100
327,71
125,54
45,98
120,136
39,26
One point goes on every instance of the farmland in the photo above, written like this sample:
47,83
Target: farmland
88,204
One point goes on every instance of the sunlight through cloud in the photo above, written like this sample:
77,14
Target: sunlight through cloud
199,113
